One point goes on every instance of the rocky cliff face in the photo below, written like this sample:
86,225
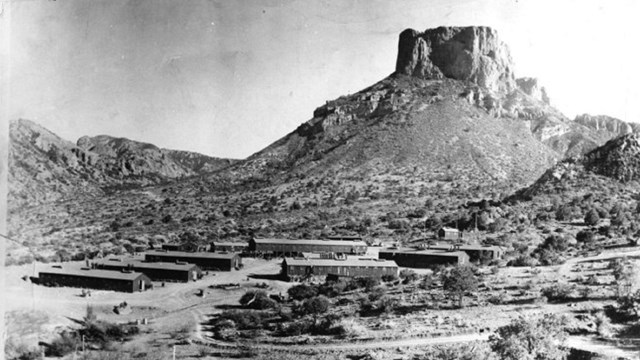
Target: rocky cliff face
463,53
607,123
44,167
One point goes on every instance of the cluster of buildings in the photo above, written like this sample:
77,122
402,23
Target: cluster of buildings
337,256
129,275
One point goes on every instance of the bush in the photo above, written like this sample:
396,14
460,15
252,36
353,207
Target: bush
243,320
558,292
408,276
64,344
592,217
301,292
257,299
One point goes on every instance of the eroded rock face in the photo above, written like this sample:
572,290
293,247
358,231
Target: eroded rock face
607,123
463,53
531,87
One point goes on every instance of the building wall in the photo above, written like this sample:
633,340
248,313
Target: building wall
203,263
420,261
156,274
123,285
283,249
359,271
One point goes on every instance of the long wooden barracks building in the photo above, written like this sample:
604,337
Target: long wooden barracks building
299,267
415,258
157,271
229,246
475,251
204,260
94,279
287,247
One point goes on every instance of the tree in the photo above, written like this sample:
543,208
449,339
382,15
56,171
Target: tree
592,217
531,339
257,300
315,306
458,281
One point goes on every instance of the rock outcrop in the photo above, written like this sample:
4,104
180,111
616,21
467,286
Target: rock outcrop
463,53
618,158
607,123
530,86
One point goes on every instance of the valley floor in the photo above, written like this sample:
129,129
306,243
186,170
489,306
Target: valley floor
176,313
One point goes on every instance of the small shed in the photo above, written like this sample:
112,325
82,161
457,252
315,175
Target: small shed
449,234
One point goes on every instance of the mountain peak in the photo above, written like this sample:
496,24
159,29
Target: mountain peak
473,53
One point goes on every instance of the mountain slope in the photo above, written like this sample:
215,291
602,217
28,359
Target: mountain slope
453,108
45,167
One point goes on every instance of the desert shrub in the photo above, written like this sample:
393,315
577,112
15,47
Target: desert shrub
386,304
301,292
332,288
592,217
525,338
408,276
523,260
426,282
586,237
257,299
243,320
295,328
389,278
558,292
368,283
316,305
63,344
376,293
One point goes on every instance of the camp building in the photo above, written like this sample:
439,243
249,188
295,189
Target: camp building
298,267
94,279
228,246
475,251
296,247
205,260
416,258
450,234
157,271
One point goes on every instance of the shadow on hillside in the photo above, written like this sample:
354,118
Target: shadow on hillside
275,277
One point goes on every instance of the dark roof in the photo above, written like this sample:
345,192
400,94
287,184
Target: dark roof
93,273
435,252
147,265
310,242
195,255
345,262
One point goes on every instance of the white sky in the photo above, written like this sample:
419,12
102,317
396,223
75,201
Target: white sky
227,78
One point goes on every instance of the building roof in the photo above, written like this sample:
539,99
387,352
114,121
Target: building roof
465,247
93,273
450,229
215,243
344,237
436,252
345,262
195,255
310,242
147,265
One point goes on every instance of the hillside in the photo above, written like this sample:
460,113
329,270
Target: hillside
451,126
45,167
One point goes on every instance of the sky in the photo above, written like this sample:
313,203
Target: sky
227,78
